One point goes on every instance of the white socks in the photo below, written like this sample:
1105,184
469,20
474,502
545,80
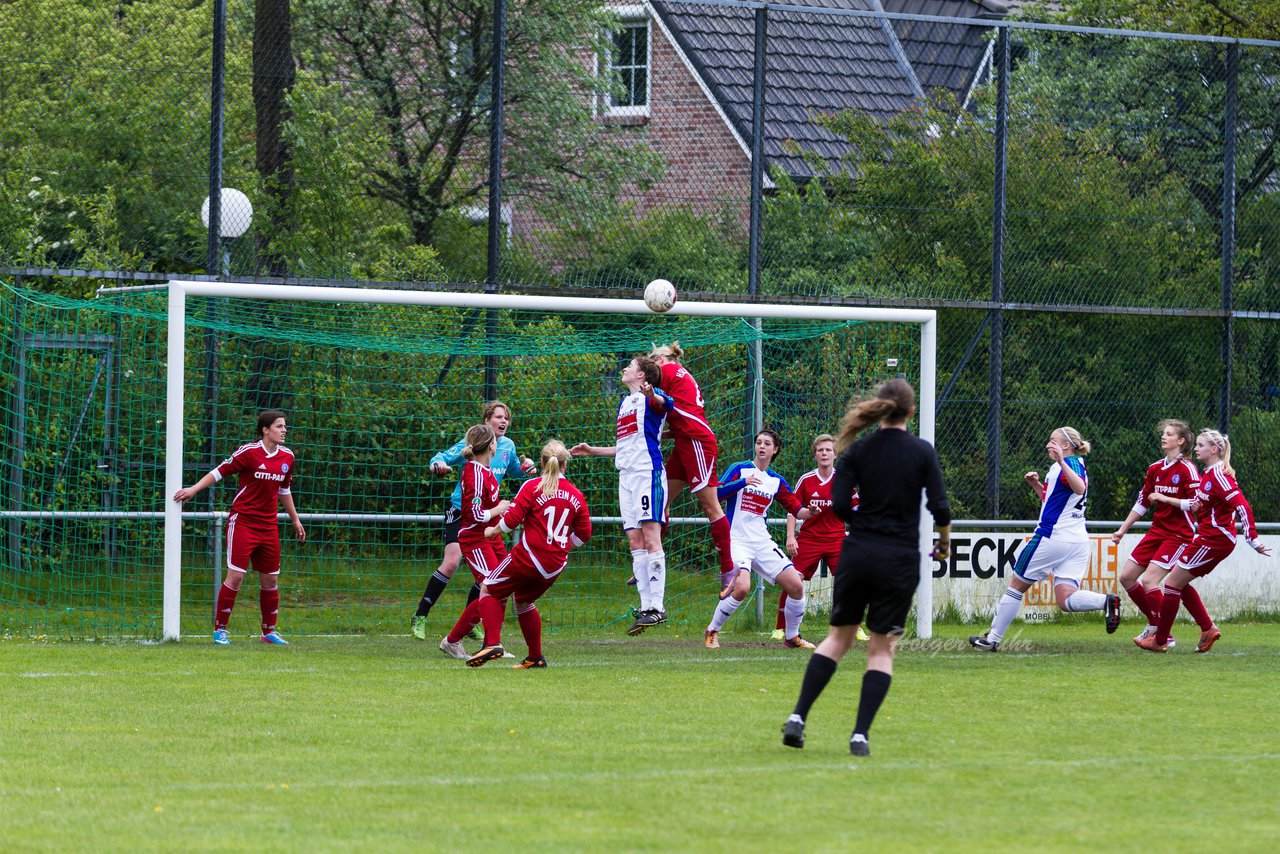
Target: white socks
657,580
1006,610
1085,600
640,569
793,612
723,612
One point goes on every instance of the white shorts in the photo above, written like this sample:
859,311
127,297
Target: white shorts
642,497
763,556
1042,557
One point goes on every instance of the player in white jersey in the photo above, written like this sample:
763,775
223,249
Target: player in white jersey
751,488
642,483
1060,545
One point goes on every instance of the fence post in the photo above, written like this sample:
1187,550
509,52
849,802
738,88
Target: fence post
1228,235
18,430
498,62
755,361
995,396
213,254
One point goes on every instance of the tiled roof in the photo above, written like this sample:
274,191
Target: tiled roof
945,56
816,64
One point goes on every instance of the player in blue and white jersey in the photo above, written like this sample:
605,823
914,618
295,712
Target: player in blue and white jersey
505,462
751,488
642,483
1060,545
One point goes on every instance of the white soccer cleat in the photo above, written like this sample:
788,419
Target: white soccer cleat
453,650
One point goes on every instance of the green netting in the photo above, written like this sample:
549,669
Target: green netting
371,392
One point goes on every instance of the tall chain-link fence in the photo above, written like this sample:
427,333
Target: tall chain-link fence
1066,197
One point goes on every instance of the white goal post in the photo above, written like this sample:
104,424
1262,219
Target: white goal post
179,290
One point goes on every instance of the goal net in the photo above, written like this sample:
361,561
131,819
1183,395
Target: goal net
374,383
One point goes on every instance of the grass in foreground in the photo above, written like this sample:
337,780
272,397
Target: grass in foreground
1076,741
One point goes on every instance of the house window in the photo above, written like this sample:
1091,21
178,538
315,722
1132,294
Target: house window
629,68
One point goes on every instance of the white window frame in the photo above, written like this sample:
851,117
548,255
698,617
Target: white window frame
630,16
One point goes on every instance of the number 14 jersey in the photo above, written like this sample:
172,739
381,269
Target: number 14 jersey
553,524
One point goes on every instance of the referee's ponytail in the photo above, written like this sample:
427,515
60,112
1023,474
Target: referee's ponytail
894,402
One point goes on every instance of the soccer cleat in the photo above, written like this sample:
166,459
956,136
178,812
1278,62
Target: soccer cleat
726,582
713,639
982,644
273,637
778,634
221,638
1149,644
646,619
862,635
632,582
798,642
858,745
530,664
1112,610
506,654
1150,632
1208,639
454,650
793,732
489,653
419,627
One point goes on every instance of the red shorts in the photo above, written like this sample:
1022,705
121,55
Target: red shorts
252,543
1156,548
694,462
483,556
813,551
516,577
1200,558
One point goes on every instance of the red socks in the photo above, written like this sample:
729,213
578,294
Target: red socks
782,604
226,601
1168,610
269,601
1195,607
1142,598
531,626
720,536
491,613
467,622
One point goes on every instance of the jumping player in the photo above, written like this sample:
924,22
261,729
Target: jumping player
642,483
692,461
822,532
1218,505
1144,572
1060,545
506,462
480,505
556,519
265,472
751,488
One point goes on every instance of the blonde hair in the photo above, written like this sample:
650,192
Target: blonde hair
479,440
893,402
822,437
1186,438
555,459
1076,441
1224,445
672,351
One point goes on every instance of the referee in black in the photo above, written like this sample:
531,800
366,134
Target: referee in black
880,560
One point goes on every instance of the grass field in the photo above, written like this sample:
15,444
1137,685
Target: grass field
1074,741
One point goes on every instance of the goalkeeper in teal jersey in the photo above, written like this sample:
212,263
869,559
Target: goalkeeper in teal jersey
506,462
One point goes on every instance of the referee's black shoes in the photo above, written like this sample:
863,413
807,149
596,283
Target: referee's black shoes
793,732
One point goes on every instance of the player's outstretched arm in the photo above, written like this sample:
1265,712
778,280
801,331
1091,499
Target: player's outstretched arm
186,494
582,449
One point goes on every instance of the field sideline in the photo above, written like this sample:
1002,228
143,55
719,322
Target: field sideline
1075,740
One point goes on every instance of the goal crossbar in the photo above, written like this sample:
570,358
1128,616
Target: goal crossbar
179,290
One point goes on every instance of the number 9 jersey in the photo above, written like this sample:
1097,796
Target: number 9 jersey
553,524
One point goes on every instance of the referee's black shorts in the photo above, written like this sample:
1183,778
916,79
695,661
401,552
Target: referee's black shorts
875,584
452,523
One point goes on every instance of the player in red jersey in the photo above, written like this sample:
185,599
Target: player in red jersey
692,461
1171,526
1218,505
480,506
555,520
822,532
265,472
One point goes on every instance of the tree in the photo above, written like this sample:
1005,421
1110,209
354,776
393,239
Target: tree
423,68
273,78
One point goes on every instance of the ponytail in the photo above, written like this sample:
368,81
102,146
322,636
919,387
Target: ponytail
1076,441
479,440
893,402
1224,447
555,459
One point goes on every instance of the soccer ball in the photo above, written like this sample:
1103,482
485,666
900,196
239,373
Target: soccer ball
660,295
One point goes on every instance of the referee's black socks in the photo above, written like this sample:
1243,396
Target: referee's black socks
816,676
875,686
